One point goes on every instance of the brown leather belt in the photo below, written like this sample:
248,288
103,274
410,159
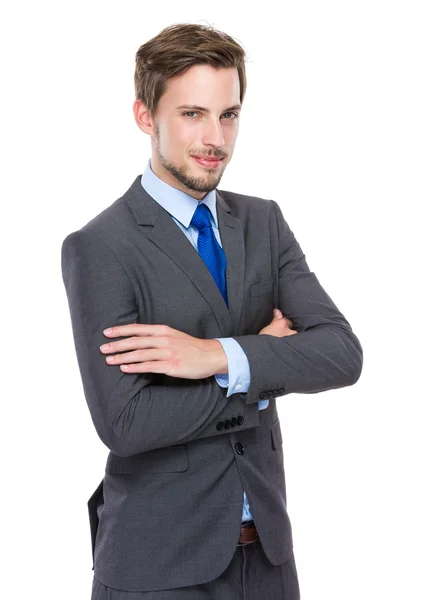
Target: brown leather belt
248,533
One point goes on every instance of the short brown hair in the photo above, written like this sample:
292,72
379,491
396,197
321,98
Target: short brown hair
175,49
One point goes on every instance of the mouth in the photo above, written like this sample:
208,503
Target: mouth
210,163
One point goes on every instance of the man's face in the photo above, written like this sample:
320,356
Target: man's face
179,132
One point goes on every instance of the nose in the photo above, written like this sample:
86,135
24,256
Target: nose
213,134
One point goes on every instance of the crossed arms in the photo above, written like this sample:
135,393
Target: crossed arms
136,412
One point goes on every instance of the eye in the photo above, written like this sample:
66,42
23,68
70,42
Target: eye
192,112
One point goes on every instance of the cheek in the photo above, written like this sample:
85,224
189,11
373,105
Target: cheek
231,136
182,138
174,133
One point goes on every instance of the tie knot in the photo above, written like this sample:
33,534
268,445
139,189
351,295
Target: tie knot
201,217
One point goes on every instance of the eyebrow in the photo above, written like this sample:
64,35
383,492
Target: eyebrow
195,107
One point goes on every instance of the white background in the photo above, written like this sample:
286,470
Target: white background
333,129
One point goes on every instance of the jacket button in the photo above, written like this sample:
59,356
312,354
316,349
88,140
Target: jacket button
233,421
227,424
239,447
240,420
243,395
220,425
263,395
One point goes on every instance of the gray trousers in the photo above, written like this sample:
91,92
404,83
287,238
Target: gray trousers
249,576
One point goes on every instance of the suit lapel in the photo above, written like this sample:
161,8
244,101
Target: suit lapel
232,238
164,233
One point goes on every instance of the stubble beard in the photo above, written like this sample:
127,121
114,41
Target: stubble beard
198,184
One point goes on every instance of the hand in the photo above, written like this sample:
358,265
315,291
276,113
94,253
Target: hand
162,349
280,326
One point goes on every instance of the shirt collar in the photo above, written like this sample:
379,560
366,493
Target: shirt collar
180,205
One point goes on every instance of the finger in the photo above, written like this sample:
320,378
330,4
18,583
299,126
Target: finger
127,344
140,329
139,356
134,343
158,366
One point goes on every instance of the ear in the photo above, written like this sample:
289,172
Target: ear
143,117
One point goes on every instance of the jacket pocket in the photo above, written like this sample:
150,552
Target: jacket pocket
172,459
261,288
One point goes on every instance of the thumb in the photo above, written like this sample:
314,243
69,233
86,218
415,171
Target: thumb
277,313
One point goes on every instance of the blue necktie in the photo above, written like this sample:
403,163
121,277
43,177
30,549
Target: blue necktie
209,249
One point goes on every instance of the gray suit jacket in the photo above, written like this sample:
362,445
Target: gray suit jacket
167,512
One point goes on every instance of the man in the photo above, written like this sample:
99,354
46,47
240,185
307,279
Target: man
169,289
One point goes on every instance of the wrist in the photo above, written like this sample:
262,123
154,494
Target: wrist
219,358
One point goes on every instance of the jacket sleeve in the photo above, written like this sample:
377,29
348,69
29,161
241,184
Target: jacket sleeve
325,354
134,412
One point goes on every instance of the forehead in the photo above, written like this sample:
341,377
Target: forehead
204,85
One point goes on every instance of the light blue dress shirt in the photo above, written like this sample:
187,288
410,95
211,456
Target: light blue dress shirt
181,207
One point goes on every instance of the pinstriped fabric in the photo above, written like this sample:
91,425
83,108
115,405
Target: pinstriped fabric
209,249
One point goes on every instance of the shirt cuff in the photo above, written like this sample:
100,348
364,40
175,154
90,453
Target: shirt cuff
238,378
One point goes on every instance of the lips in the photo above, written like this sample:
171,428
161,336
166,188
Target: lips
212,158
210,162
